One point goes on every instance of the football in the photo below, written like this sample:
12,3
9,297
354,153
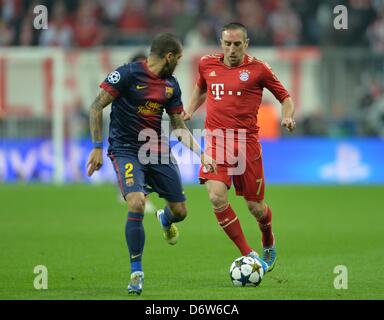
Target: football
246,271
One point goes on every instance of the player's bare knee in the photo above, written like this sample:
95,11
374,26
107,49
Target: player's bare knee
256,208
218,200
135,201
179,210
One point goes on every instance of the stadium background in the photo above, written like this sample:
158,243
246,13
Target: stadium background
48,79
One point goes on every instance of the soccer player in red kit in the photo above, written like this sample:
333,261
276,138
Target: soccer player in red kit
232,84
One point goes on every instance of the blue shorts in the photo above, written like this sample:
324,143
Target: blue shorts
134,176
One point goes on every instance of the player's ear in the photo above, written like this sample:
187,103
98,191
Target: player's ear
169,56
246,43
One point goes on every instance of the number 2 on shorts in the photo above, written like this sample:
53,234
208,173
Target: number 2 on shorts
128,169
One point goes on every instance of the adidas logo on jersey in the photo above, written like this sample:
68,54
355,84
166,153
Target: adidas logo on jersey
212,74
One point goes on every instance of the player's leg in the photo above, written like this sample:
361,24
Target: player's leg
135,237
178,211
131,182
149,206
173,213
218,195
263,214
251,185
165,179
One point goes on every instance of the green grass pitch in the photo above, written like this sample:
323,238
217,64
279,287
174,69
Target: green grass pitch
77,232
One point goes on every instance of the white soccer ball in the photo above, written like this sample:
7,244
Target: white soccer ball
246,271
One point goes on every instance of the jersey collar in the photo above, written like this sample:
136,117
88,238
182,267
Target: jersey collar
245,61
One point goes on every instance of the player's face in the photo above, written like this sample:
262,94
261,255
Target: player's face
171,62
234,44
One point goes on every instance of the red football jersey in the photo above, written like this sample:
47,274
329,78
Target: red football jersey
234,94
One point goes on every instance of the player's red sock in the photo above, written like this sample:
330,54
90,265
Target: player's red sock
231,225
265,225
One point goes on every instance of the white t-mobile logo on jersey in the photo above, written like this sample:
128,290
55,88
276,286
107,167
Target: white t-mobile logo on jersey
218,90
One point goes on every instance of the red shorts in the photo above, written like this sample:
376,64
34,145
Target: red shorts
250,184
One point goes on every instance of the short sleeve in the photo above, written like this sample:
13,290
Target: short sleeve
273,84
201,83
174,105
116,81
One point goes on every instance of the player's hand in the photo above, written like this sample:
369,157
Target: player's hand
289,124
187,116
208,163
95,161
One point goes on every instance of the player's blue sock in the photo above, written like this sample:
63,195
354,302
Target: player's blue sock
135,236
168,218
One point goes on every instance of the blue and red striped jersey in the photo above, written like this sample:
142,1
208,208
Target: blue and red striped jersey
140,100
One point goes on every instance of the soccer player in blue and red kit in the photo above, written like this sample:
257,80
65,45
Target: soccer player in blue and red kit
139,93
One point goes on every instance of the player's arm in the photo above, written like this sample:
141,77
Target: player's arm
197,99
274,85
184,135
102,100
287,111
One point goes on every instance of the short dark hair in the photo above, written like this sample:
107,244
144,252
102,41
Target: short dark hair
236,26
164,43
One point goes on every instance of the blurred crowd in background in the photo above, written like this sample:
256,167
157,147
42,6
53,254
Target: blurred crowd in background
88,23
198,23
